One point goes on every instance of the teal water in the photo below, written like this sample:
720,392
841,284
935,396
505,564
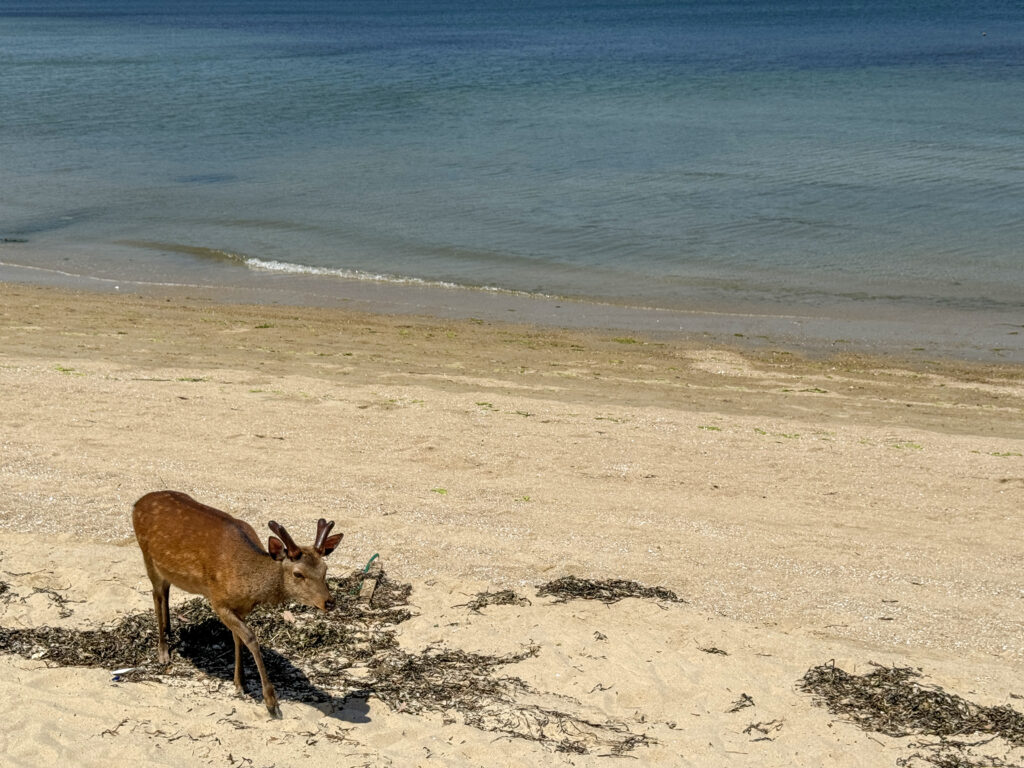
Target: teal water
665,154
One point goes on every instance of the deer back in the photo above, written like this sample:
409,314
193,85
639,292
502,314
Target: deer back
203,550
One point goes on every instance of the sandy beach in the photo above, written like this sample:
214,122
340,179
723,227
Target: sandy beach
849,509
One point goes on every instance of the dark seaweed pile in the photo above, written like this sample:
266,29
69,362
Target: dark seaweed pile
352,628
893,701
606,590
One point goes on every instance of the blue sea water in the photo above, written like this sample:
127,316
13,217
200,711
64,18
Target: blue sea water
667,154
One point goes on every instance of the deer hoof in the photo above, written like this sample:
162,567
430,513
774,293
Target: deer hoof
274,710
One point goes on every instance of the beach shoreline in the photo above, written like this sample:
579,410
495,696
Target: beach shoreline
850,507
898,328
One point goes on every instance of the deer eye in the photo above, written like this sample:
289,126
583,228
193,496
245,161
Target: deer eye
298,575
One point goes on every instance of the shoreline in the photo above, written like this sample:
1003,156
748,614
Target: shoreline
878,328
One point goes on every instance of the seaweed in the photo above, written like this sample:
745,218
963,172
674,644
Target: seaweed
893,701
129,642
7,595
352,631
57,599
951,753
888,700
483,599
713,650
607,590
742,702
763,729
350,652
443,680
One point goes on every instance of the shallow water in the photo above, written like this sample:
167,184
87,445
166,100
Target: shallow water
856,158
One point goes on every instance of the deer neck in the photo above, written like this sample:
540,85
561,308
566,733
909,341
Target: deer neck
273,588
266,583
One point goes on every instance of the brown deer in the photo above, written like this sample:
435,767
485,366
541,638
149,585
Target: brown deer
208,552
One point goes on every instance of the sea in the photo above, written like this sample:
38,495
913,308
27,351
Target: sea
784,163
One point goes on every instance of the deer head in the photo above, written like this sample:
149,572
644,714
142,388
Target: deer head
303,570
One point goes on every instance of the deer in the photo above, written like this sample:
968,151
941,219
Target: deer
208,552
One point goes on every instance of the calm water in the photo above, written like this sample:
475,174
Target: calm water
670,154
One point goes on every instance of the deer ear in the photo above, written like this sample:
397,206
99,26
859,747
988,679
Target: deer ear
294,553
332,543
276,547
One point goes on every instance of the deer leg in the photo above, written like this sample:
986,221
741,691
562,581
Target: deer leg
239,672
246,635
163,619
167,613
161,588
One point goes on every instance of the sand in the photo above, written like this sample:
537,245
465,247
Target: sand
851,508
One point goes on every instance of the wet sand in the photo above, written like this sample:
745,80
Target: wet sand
815,325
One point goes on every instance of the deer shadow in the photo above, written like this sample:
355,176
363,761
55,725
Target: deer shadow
209,647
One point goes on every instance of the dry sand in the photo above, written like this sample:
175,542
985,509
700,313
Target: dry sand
851,509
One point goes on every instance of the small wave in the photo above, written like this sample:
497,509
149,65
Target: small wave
287,267
290,268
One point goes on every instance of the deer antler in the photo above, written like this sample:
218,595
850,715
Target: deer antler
294,552
322,529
